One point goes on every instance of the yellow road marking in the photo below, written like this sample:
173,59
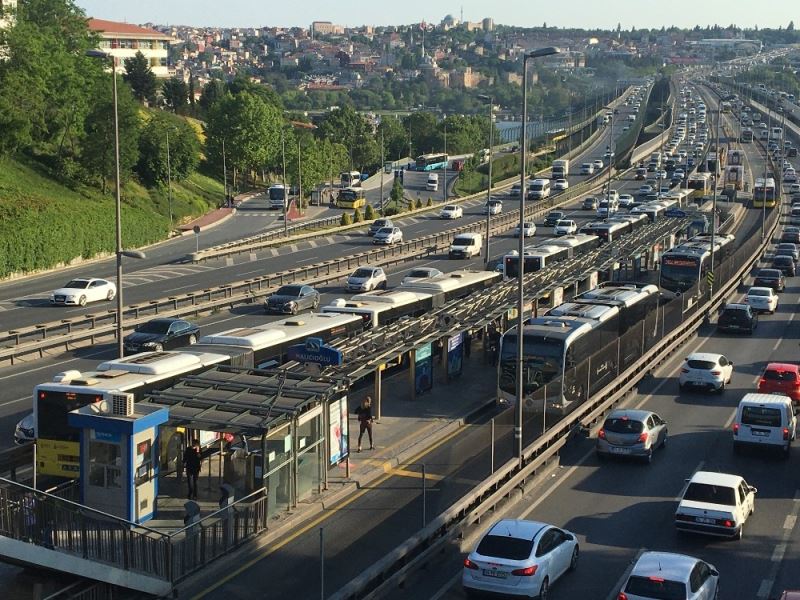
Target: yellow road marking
417,474
315,522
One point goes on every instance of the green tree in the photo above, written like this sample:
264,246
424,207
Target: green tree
369,213
418,203
184,149
176,93
357,218
355,133
345,220
395,138
140,77
97,155
396,195
212,91
423,131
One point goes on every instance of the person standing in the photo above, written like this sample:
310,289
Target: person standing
365,419
191,462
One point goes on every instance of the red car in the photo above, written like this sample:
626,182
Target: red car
781,378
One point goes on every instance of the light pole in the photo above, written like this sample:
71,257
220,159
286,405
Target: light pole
118,204
383,168
224,173
611,154
169,184
490,100
764,188
444,187
717,169
285,190
521,270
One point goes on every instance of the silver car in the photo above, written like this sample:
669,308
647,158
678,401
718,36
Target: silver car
666,575
635,433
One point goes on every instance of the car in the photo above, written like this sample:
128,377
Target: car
565,227
388,236
589,203
365,279
529,229
717,504
631,433
493,207
560,184
762,299
790,595
421,273
597,164
661,174
659,575
781,378
788,249
25,430
160,334
626,200
706,370
81,291
737,317
520,558
794,188
785,264
790,236
378,224
789,176
291,299
553,217
451,211
771,278
644,190
587,169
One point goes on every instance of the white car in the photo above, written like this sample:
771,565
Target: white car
565,227
625,200
451,211
529,229
794,188
493,207
598,164
420,273
520,558
790,176
388,236
762,299
560,184
81,291
706,370
365,279
587,169
659,575
715,504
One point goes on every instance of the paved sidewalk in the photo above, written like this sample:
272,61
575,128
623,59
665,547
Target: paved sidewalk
215,217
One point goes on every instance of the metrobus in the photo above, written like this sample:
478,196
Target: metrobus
735,157
261,346
350,179
747,136
535,259
556,346
278,198
764,194
734,177
351,198
431,162
619,225
684,265
699,184
725,107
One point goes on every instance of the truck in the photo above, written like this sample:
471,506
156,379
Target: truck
560,168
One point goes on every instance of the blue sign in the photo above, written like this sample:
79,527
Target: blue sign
675,213
314,351
106,436
423,369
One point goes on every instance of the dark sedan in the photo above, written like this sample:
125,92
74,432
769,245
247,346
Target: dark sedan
785,264
771,278
792,237
553,217
161,334
291,299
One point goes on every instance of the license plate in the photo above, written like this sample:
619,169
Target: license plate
620,450
495,573
733,326
705,520
759,433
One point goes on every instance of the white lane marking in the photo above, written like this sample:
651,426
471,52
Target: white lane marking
729,422
777,554
765,589
612,595
17,400
699,467
447,586
299,262
293,248
312,243
275,252
789,522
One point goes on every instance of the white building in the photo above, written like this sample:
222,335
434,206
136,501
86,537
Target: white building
123,40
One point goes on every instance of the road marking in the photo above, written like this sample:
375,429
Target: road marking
699,466
765,589
777,554
729,422
446,587
323,517
274,251
312,243
612,595
293,248
412,474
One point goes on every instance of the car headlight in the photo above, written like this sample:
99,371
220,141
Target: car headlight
71,297
148,345
291,304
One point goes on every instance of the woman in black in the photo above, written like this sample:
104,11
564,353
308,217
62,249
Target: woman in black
191,462
364,413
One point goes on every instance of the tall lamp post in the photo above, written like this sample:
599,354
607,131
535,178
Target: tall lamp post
523,150
120,252
490,100
610,151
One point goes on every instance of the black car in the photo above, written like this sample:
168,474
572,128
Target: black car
291,299
791,236
738,318
771,278
785,264
161,334
553,217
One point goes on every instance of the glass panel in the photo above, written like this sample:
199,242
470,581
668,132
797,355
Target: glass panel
308,472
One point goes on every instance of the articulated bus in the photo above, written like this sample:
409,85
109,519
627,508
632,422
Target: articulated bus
351,198
684,265
764,194
350,179
734,177
262,346
747,136
431,162
699,184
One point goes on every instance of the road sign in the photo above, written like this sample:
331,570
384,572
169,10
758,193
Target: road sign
710,277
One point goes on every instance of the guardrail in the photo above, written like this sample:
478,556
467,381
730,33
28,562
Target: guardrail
510,476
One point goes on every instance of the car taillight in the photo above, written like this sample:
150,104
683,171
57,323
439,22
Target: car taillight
735,429
762,381
622,596
716,372
643,437
526,572
684,370
468,564
727,523
601,434
786,433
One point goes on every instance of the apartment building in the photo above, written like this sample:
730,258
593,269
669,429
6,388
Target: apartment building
123,40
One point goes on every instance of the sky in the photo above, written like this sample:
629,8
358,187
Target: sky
528,13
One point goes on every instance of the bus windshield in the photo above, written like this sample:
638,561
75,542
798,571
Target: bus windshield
511,263
276,193
542,359
679,273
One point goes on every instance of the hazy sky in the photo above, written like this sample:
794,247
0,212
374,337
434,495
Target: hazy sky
576,13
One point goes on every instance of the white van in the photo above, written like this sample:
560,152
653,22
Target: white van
765,420
466,245
540,188
433,182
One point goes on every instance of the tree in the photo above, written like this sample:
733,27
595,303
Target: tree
395,138
140,77
212,91
355,133
369,213
176,93
397,193
184,149
422,130
97,155
345,220
191,92
357,218
790,26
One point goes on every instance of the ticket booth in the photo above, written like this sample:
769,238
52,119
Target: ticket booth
119,456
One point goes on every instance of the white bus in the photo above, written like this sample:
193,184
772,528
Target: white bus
278,198
535,259
350,179
539,189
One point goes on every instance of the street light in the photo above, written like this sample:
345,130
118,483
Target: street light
610,152
99,54
490,100
523,149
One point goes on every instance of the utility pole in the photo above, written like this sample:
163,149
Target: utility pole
489,188
714,206
285,189
383,168
299,179
444,187
224,173
169,184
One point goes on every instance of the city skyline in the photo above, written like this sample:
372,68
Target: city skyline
586,14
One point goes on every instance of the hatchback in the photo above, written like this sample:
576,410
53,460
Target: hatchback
565,227
553,217
520,558
589,203
788,249
529,229
420,273
635,433
388,236
785,264
781,378
762,299
560,184
737,318
707,370
771,278
659,575
598,164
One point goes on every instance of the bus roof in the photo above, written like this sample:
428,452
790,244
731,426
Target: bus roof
285,330
450,281
574,240
621,294
595,312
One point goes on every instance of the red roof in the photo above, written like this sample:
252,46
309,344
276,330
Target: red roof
125,29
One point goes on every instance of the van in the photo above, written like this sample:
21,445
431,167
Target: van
466,245
432,184
540,188
764,420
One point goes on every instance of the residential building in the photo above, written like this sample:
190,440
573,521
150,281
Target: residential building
123,40
326,28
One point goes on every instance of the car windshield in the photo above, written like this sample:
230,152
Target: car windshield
782,260
380,223
623,425
78,284
419,273
385,230
450,207
769,274
288,290
700,364
656,588
758,293
154,327
363,273
504,546
712,494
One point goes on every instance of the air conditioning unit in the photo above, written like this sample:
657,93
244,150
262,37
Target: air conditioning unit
121,404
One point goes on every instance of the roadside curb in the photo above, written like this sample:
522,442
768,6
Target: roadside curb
189,231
